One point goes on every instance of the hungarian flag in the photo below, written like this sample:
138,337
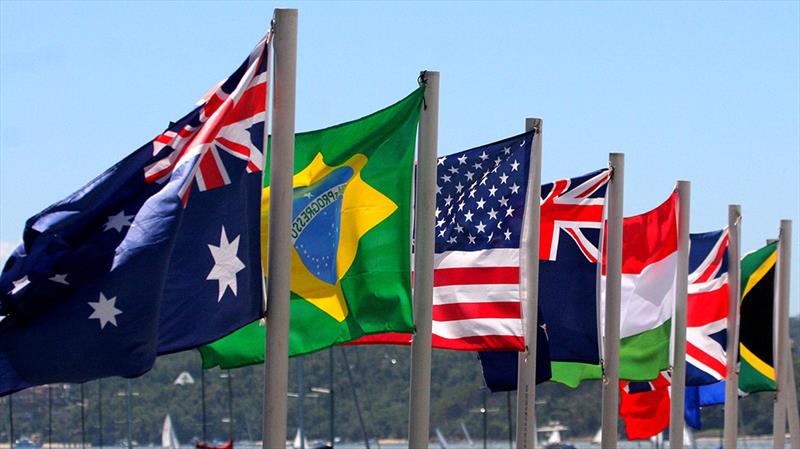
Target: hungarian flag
757,365
350,260
649,267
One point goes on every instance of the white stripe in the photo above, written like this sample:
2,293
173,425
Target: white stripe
712,255
708,286
648,298
478,327
703,367
452,294
487,258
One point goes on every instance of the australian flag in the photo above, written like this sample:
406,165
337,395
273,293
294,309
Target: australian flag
569,238
158,254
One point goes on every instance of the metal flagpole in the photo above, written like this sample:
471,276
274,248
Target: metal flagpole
678,391
83,419
427,147
49,417
526,366
301,396
613,243
332,403
129,408
510,423
732,351
276,360
230,405
782,334
791,400
203,402
100,413
10,422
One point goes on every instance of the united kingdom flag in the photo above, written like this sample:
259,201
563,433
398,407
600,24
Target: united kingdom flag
707,308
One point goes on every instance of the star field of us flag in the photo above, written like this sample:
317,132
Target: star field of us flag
158,254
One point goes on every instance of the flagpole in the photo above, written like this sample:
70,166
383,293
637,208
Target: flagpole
791,401
613,245
526,366
678,392
782,334
203,402
276,360
732,374
427,147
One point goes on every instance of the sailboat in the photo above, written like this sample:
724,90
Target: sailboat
441,440
168,438
299,441
598,437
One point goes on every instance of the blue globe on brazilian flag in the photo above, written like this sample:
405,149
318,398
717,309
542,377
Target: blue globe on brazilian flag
351,222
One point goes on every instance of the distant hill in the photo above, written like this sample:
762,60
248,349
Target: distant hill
380,374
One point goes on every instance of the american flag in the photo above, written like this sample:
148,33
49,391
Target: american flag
707,308
480,211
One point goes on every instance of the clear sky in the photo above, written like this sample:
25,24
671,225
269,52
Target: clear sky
708,92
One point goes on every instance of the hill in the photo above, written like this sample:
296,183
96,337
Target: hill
380,375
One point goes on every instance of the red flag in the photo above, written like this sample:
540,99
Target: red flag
644,406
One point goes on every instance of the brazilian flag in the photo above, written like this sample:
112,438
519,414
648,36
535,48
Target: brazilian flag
757,366
351,234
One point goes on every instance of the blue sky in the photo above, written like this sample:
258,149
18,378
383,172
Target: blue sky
708,92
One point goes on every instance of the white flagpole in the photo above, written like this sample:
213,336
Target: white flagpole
613,300
424,220
526,369
678,391
791,401
276,358
782,334
732,374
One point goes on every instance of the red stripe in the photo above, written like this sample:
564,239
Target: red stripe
580,244
234,147
714,266
389,338
707,307
703,357
474,310
649,237
595,186
212,176
474,343
475,276
482,343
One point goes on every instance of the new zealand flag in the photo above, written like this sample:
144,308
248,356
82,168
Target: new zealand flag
158,254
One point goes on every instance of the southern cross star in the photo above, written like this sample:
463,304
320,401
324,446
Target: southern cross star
118,221
104,311
19,284
226,264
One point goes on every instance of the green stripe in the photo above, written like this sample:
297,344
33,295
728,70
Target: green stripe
643,356
752,380
572,374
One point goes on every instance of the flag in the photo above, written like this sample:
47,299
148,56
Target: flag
706,318
480,246
707,308
156,255
571,217
644,406
649,267
756,322
500,367
702,396
350,234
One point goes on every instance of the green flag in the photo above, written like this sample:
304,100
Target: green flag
351,270
757,371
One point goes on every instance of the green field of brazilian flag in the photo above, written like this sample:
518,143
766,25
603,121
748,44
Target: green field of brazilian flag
351,222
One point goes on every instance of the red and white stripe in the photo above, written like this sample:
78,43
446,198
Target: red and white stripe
477,300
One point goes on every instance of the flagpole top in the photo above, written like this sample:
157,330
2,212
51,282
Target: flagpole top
534,124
